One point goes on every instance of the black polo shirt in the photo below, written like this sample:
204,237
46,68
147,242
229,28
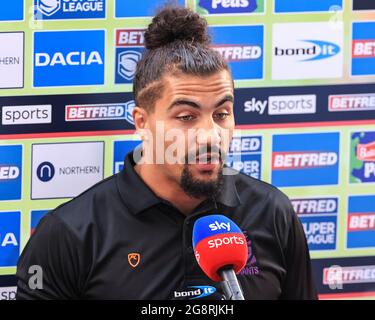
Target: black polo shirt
118,240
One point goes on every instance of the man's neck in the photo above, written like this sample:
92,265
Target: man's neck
166,188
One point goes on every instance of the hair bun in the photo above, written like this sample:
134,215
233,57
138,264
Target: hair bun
176,23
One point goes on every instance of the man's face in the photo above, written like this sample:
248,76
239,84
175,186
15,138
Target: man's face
196,113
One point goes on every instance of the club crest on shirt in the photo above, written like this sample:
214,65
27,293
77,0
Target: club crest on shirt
251,267
134,259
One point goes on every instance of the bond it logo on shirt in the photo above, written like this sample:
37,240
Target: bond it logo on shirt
242,47
10,224
305,159
69,58
362,157
361,222
69,9
319,221
363,48
229,6
129,49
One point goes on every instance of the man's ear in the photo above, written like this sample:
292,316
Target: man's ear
140,118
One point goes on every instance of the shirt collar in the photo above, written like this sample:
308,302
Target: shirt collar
138,197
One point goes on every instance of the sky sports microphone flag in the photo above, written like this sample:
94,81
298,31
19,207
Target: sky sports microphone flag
221,250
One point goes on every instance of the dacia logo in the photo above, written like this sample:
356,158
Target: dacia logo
127,63
48,7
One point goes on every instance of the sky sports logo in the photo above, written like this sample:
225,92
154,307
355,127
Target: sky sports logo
305,159
229,6
242,47
10,225
32,114
361,222
97,112
10,172
129,50
319,220
351,102
283,105
69,9
69,58
363,48
348,275
11,10
290,6
309,51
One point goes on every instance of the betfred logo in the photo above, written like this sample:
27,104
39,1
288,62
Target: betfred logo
129,50
363,48
245,154
69,58
10,224
298,160
315,206
242,48
10,172
229,6
319,220
305,159
13,115
69,9
348,275
112,111
362,157
361,222
351,102
308,52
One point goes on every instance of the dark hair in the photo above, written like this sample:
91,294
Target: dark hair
176,41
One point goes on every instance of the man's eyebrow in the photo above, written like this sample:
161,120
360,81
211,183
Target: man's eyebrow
179,102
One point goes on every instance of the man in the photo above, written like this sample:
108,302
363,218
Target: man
130,236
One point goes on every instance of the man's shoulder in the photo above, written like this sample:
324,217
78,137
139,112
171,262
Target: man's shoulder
89,206
251,189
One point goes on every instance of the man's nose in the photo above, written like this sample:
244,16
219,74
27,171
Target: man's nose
209,133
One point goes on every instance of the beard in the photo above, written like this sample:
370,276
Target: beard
197,188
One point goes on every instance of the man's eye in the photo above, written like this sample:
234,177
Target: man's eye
185,118
221,115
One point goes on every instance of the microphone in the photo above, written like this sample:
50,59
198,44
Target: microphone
221,251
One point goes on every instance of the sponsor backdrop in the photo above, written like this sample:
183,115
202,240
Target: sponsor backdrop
305,111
